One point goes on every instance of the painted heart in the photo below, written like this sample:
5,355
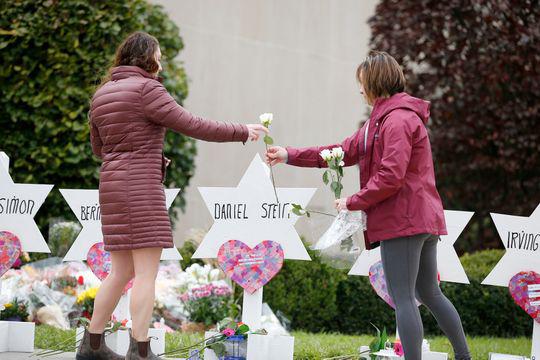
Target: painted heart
250,268
519,289
10,249
99,261
378,282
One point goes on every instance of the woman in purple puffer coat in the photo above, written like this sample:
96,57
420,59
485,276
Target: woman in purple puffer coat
129,116
398,193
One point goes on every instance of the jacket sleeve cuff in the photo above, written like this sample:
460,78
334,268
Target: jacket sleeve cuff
243,134
355,203
306,157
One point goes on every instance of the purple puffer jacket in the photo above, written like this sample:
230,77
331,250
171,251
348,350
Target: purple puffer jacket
129,116
397,179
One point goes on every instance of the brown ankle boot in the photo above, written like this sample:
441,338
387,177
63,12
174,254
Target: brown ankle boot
140,350
93,347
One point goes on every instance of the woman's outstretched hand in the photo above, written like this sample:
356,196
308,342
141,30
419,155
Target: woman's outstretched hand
255,131
276,155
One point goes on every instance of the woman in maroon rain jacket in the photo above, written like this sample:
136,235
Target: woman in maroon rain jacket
398,193
129,116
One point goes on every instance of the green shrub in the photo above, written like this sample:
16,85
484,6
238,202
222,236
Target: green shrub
61,235
484,309
306,293
53,55
318,298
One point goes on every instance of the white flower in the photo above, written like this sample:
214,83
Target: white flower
266,119
214,275
338,153
326,155
342,163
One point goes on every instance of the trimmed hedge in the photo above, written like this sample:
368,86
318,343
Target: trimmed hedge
53,54
317,298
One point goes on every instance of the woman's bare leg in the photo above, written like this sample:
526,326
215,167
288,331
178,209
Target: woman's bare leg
111,289
146,264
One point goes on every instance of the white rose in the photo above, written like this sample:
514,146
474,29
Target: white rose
326,155
337,153
266,119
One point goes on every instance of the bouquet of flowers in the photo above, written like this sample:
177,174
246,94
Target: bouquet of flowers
338,244
15,310
86,301
66,284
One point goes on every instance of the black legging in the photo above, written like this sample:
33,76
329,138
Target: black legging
410,267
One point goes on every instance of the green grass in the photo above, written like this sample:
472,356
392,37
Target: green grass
320,346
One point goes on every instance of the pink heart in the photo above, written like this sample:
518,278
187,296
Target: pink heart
99,261
519,289
10,249
250,268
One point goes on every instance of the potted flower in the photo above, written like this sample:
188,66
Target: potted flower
205,305
15,325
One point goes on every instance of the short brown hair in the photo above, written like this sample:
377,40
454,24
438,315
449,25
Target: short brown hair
380,75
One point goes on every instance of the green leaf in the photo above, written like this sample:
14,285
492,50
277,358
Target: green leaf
296,212
242,329
384,338
268,140
218,348
325,178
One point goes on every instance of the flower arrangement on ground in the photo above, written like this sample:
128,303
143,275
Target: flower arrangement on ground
15,310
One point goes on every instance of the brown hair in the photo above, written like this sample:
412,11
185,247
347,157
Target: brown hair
380,75
138,49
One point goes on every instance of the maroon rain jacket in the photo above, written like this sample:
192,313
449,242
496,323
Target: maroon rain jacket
397,179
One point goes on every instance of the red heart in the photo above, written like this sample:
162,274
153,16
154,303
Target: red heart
250,268
99,261
519,289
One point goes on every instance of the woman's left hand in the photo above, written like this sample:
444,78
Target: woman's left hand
341,204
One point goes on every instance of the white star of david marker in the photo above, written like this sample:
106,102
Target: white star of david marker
521,238
249,213
85,205
19,203
449,265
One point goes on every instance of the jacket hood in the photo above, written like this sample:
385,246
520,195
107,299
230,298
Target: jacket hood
385,106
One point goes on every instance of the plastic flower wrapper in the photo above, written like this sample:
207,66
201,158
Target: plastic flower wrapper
340,239
271,323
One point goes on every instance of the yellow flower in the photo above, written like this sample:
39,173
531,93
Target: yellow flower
87,294
8,305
